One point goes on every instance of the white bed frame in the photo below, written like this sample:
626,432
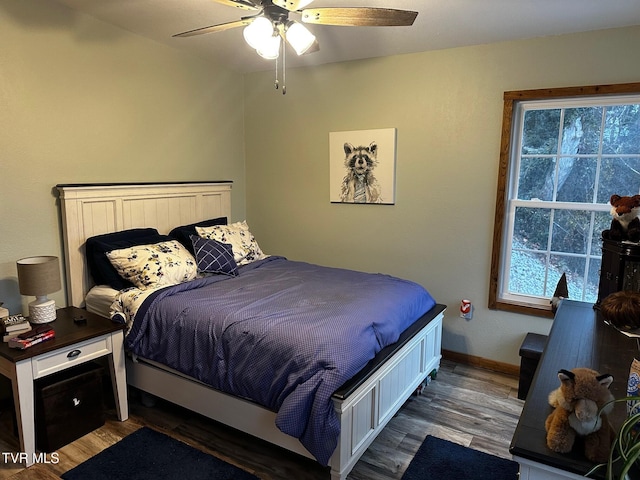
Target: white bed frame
89,210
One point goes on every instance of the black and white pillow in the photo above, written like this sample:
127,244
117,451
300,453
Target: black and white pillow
156,265
213,256
243,243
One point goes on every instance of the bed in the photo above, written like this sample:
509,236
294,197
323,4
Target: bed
363,401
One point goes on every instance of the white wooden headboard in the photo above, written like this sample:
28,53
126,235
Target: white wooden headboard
94,209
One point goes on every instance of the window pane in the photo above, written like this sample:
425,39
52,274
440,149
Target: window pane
576,179
536,178
573,267
581,130
553,277
593,280
602,222
620,176
540,132
531,228
570,231
527,273
622,130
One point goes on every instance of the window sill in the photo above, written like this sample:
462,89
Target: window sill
536,311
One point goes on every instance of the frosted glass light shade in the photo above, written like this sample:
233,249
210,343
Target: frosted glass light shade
258,32
270,49
299,37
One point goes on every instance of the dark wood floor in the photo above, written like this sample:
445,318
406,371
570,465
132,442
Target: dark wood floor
470,406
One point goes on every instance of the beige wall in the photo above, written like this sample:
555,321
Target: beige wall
81,101
447,108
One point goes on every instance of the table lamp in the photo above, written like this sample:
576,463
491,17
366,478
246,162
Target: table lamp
40,276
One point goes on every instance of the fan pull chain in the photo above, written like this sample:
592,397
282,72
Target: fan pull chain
277,83
284,69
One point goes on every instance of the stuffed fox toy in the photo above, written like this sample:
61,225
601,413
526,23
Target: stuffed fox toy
581,405
625,224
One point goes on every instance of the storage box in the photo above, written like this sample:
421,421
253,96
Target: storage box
620,268
69,404
530,354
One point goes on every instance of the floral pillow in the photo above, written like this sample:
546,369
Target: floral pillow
213,256
160,264
243,243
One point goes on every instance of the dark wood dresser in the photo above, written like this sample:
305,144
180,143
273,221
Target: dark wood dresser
578,338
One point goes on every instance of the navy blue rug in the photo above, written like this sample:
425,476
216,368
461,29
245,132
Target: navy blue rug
438,459
150,455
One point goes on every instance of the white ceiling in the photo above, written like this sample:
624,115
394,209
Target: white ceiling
440,24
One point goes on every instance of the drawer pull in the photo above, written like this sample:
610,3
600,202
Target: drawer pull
73,353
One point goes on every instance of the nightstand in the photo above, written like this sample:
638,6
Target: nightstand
75,343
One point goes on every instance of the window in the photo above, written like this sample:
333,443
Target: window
564,152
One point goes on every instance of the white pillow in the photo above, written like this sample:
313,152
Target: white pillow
243,243
160,264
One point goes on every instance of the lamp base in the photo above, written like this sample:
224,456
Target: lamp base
42,311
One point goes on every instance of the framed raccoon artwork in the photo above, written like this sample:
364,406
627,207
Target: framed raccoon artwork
363,166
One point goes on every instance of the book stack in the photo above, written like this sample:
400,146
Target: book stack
14,325
28,339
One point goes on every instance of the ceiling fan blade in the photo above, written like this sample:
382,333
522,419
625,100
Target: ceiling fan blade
292,5
215,28
243,4
359,17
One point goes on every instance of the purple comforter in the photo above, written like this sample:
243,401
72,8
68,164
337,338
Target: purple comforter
283,334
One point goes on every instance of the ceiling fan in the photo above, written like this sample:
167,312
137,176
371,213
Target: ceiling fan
265,29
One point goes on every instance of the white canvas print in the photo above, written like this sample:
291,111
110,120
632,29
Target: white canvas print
362,166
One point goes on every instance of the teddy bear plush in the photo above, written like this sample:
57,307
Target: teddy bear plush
625,224
577,411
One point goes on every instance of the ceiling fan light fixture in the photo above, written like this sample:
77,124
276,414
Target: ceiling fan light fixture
270,49
268,30
299,37
258,32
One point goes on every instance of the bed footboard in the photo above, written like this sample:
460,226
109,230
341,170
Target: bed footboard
366,411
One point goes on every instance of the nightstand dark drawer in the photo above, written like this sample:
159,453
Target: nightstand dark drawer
69,404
